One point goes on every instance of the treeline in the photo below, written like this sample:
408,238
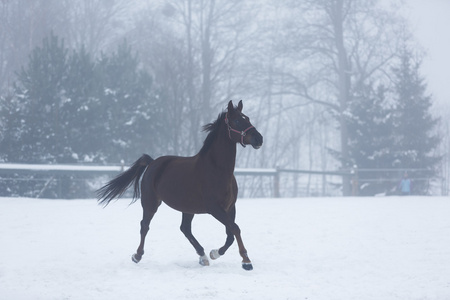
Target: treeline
329,84
69,107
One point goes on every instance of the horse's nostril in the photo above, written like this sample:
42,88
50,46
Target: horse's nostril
257,141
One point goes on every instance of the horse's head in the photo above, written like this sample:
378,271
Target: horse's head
240,130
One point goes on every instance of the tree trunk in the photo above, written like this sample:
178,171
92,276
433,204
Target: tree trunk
207,60
194,115
337,17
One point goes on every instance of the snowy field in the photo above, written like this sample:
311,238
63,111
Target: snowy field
308,248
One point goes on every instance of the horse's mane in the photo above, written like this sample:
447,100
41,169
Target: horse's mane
213,129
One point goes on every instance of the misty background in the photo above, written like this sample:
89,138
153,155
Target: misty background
331,85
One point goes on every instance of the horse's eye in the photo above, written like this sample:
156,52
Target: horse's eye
245,117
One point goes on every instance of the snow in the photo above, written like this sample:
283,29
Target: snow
92,168
307,248
252,171
48,167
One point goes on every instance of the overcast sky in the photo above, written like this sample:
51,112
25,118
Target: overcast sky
430,20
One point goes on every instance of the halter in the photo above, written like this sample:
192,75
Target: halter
242,133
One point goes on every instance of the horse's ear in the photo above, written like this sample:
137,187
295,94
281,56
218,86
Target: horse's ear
239,108
230,106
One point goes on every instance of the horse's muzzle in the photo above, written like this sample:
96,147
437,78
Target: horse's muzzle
256,140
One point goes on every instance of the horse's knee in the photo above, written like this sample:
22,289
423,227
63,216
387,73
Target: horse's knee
185,229
230,239
145,226
235,229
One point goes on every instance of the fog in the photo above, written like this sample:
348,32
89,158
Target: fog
429,23
331,86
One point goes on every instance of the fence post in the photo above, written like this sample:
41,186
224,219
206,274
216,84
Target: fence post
444,187
276,183
354,180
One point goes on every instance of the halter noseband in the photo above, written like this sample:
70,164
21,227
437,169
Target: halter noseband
242,133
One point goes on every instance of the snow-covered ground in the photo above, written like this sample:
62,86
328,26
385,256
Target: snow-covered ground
308,248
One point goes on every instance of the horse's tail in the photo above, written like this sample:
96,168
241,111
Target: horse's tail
117,186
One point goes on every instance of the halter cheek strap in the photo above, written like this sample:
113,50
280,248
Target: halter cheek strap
242,133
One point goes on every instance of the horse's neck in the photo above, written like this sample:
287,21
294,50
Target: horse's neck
223,152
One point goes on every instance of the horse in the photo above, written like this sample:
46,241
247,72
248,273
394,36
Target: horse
201,184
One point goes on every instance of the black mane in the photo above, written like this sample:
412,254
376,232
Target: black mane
213,129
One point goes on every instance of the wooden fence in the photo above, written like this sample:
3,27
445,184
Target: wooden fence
260,182
69,181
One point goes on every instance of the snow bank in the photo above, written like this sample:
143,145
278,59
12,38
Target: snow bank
310,248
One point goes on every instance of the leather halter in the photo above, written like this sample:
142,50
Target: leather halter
241,133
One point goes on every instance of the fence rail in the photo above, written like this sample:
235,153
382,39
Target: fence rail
75,181
62,169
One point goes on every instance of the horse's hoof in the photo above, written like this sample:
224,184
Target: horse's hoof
135,258
247,266
214,254
203,260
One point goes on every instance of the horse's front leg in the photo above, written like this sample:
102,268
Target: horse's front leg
216,253
232,230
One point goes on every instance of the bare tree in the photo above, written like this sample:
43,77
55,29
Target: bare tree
97,25
198,43
23,25
334,46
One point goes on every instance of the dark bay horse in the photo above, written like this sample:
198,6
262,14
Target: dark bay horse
200,184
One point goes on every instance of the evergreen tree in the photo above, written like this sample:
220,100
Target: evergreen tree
82,103
131,116
394,131
68,107
370,138
39,106
414,126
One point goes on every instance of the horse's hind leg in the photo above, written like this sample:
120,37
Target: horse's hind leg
187,231
216,253
145,225
149,206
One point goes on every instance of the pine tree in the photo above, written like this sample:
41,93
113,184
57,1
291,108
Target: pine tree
68,107
132,117
414,126
39,105
81,103
394,131
370,139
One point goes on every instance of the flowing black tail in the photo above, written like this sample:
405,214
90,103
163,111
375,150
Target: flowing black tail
116,187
